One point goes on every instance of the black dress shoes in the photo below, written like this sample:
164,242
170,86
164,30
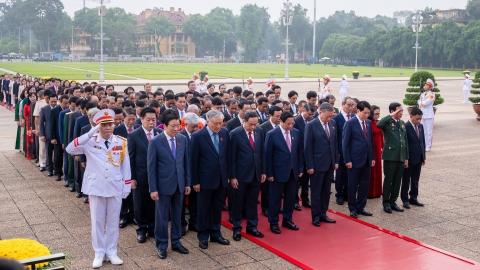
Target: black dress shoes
221,241
340,201
72,189
265,213
180,249
397,208
141,238
50,174
307,204
58,178
66,184
275,229
327,219
151,234
78,195
353,214
42,169
316,222
255,233
203,244
123,224
297,207
237,236
406,205
387,209
192,228
365,213
416,202
85,199
290,225
162,254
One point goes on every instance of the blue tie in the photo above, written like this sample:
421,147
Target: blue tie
215,142
172,145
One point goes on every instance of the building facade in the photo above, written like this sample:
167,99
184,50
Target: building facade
459,16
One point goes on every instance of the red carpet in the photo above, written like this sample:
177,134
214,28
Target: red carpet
350,244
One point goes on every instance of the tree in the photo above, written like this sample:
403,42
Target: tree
473,9
300,29
160,25
271,45
208,33
251,30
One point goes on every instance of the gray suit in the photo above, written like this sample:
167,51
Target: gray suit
45,130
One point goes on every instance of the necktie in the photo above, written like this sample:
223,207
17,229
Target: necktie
416,131
289,143
181,114
252,144
106,143
326,130
348,116
215,142
263,117
364,129
172,145
149,136
130,129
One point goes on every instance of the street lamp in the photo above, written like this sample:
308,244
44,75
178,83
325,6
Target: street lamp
314,35
287,20
417,28
101,13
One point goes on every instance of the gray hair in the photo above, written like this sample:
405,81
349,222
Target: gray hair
192,108
344,100
250,114
92,111
41,93
326,107
214,114
190,118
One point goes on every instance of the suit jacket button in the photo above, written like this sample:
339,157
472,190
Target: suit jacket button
389,148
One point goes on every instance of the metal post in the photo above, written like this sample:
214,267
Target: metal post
416,50
287,41
314,25
102,79
417,28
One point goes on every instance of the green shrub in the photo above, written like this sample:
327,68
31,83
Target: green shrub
416,83
476,85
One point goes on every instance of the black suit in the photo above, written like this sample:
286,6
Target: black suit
57,148
121,130
411,175
246,164
294,108
300,125
265,186
144,206
341,174
59,92
264,120
233,124
192,197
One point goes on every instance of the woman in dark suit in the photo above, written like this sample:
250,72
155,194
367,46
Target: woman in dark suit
375,189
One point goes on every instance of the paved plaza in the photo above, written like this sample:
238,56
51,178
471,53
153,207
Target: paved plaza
37,207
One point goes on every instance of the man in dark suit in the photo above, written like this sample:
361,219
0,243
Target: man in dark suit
359,158
209,177
417,157
232,124
191,121
271,123
284,151
262,110
321,157
292,99
300,123
231,108
46,135
395,155
54,127
341,177
138,141
169,180
246,172
56,88
169,103
83,159
71,127
122,130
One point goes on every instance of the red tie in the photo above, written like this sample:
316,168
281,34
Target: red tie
289,143
252,144
130,130
348,116
416,131
149,136
364,130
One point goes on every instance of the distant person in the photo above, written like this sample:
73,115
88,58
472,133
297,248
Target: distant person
376,177
466,88
425,103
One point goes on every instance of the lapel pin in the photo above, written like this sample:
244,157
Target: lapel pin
221,139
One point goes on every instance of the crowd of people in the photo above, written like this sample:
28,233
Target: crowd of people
147,157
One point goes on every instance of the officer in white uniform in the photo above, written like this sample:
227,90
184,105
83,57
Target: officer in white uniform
425,103
107,180
466,88
249,84
325,92
343,87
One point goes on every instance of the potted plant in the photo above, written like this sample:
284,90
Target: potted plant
465,72
475,91
416,83
202,75
355,74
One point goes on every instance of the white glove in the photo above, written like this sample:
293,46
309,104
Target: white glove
93,130
125,195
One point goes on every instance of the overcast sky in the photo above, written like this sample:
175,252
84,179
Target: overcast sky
368,8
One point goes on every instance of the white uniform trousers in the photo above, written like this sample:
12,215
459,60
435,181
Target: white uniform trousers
428,131
42,153
343,95
104,213
465,95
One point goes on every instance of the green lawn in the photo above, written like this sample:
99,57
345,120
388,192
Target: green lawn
165,71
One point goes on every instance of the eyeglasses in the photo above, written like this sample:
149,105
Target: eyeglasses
376,114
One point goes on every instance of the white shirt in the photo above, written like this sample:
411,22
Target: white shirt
240,119
345,115
285,135
38,107
168,140
325,126
360,122
426,104
146,133
273,125
466,84
252,133
180,112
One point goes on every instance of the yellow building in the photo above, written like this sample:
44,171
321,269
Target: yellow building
459,16
177,44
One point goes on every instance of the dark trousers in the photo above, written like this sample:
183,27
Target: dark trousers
49,147
192,209
127,212
8,98
210,202
341,180
265,198
393,172
71,171
58,159
303,184
410,179
288,189
65,166
245,195
78,175
144,208
168,206
320,183
358,184
230,199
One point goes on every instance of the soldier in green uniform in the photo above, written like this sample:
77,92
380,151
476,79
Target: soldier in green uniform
395,155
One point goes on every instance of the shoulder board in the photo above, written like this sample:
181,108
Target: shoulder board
68,113
121,137
95,135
